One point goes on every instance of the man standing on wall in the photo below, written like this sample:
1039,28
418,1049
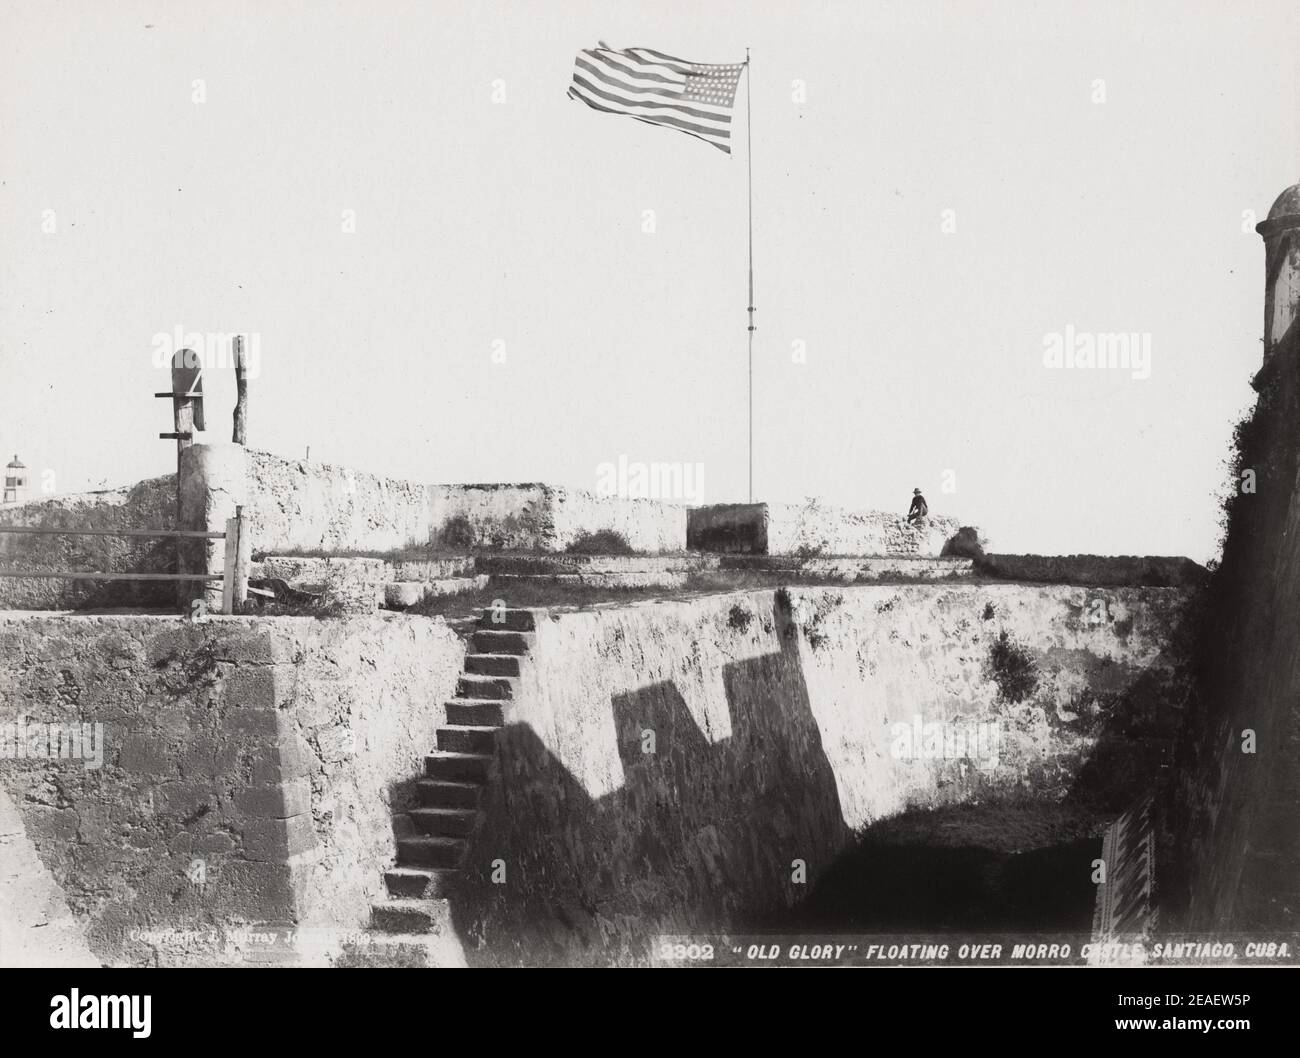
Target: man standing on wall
919,509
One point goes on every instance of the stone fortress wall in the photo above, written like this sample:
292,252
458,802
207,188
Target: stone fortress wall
776,719
252,768
247,776
293,507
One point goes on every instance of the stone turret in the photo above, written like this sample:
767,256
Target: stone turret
1281,232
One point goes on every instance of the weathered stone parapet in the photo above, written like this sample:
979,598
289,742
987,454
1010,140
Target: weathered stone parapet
539,517
296,506
814,529
647,525
149,504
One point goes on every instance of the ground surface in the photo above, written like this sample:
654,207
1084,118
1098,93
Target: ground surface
968,869
36,929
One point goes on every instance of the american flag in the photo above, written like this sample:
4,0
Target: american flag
691,97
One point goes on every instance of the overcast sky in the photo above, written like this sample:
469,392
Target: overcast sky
1098,160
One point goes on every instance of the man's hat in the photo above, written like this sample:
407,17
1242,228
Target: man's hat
916,492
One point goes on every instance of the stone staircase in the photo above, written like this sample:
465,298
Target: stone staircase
433,837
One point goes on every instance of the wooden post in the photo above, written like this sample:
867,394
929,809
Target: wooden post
187,399
230,569
242,541
240,435
187,414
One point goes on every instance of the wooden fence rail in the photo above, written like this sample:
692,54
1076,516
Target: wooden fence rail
234,577
42,531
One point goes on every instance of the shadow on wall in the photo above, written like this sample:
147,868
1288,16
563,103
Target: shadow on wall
700,832
1136,727
1017,860
909,883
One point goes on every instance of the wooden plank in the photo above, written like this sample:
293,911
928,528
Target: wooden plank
232,560
241,555
240,433
41,531
44,575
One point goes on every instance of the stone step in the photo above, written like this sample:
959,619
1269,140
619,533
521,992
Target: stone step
404,950
463,767
410,916
463,738
486,686
505,583
444,822
430,851
492,664
475,712
417,883
488,642
491,620
400,594
444,793
435,568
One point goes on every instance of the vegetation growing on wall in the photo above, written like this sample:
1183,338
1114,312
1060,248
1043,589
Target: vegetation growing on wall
739,618
457,533
601,542
1216,809
965,543
1013,668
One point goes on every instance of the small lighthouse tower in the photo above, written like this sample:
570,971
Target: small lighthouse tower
15,483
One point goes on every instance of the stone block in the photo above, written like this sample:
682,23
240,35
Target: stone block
255,890
276,840
145,754
289,758
186,798
733,528
252,687
214,843
279,801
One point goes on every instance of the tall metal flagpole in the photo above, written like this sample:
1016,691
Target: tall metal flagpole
749,145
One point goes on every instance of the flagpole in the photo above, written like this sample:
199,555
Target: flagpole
749,150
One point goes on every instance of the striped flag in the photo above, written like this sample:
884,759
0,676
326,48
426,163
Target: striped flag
691,97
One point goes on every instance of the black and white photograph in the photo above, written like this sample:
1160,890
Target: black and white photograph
500,484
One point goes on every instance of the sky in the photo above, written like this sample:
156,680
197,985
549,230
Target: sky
451,273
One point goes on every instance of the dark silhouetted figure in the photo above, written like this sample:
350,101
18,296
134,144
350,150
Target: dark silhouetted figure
919,509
